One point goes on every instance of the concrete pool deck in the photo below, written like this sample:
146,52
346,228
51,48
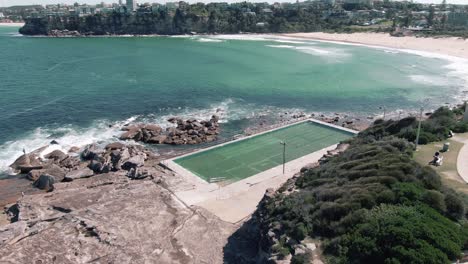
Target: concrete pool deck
236,201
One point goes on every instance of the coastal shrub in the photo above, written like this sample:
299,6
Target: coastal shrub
435,199
455,206
460,127
345,201
436,128
429,178
401,234
300,231
301,259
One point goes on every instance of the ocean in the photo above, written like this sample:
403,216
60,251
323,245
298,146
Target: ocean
80,90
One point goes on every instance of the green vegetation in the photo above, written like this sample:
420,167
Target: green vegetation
436,128
374,203
306,16
200,18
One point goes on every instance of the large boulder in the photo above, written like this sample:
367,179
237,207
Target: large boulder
153,129
100,165
52,169
78,174
74,150
119,157
91,152
70,163
26,163
138,173
56,155
134,162
132,132
45,182
115,145
157,139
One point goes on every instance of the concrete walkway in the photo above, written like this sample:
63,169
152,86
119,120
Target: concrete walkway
236,201
462,160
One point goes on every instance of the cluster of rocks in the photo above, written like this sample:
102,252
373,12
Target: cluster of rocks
58,166
188,132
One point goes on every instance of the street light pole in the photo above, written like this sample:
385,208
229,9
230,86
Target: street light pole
284,154
419,129
465,114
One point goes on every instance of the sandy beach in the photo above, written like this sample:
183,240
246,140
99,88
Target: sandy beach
447,46
11,24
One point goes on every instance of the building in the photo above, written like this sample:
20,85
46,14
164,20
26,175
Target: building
1,15
458,19
131,5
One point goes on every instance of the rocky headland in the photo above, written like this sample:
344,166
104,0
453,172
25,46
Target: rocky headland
115,203
109,203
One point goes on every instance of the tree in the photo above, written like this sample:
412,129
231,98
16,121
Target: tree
430,17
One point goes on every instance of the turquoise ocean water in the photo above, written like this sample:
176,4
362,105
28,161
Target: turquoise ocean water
72,89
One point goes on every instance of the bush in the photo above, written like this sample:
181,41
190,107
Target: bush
346,200
435,200
400,234
460,127
436,128
430,178
301,259
300,232
455,207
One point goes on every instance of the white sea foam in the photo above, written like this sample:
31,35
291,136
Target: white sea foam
66,136
104,131
281,46
208,40
180,36
330,54
241,37
291,41
458,67
431,80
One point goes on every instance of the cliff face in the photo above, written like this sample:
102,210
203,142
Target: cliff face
194,18
115,24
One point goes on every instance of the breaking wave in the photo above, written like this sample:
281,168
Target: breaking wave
106,131
330,54
208,40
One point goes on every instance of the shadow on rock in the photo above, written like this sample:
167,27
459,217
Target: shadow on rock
242,246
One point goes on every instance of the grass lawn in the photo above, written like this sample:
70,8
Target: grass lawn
448,170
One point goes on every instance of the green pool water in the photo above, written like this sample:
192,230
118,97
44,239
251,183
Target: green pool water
244,158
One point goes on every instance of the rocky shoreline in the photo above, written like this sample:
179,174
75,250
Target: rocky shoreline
124,210
100,197
121,156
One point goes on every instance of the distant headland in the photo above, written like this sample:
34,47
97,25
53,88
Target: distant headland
397,18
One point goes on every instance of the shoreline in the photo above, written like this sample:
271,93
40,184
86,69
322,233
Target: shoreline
11,24
445,46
